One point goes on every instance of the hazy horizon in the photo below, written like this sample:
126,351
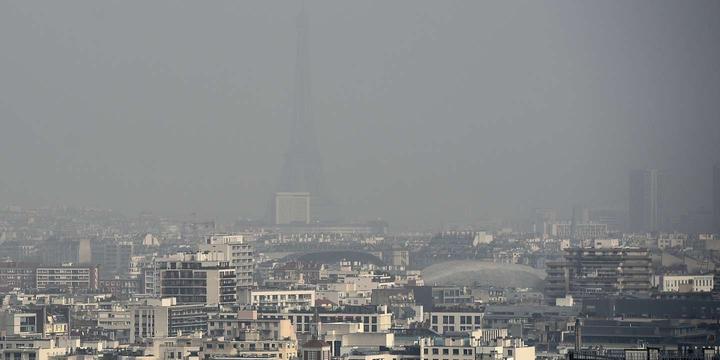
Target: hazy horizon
426,113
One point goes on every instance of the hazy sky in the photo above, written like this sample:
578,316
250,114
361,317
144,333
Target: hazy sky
427,112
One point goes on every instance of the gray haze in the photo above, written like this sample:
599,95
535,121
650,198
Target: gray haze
426,112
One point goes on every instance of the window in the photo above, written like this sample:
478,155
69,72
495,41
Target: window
435,351
446,351
456,351
434,319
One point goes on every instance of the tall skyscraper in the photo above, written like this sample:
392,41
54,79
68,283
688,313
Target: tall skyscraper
716,196
644,201
302,170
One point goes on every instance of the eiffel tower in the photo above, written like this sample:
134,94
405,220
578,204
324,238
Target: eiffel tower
303,169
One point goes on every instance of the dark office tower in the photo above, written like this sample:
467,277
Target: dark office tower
716,196
302,170
644,201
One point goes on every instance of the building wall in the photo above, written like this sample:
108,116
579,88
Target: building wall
520,353
15,323
378,321
588,271
15,275
292,208
66,277
112,257
283,298
644,201
687,283
238,253
149,322
265,349
181,278
443,322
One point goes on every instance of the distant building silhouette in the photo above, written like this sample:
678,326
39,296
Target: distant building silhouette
292,208
303,170
716,196
644,201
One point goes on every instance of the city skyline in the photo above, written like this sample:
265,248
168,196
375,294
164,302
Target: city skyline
554,114
360,180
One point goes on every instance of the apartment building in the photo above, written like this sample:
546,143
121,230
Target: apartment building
233,324
455,319
67,276
20,323
283,298
202,277
459,347
684,283
471,346
112,257
36,348
373,318
589,272
14,275
249,345
238,251
159,318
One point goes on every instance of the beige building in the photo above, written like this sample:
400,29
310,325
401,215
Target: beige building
473,346
344,344
233,324
66,277
283,298
160,318
448,348
508,348
292,208
371,317
456,319
249,345
240,254
22,348
684,283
